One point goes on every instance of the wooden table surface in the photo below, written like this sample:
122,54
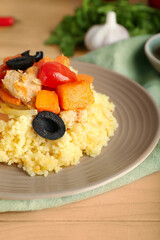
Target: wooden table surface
131,212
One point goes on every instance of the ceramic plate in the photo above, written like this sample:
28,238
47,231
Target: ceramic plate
136,137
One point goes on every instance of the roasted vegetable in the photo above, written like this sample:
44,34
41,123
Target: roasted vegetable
8,98
53,74
17,112
85,77
63,60
47,101
75,95
44,60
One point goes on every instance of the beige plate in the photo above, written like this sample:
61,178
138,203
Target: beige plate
136,137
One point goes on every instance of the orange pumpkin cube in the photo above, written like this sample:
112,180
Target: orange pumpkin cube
44,60
85,77
75,95
47,101
63,60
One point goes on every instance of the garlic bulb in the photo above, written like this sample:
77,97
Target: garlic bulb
101,35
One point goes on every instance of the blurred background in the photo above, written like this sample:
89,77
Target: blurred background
34,21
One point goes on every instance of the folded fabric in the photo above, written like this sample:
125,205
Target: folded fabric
126,57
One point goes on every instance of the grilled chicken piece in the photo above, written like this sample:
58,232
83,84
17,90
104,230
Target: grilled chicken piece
24,86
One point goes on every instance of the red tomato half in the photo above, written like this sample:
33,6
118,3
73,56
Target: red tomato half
53,74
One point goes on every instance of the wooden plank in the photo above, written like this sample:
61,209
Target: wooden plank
78,230
139,201
32,30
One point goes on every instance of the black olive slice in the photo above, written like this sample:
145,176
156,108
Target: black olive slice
48,125
39,56
26,53
24,62
21,63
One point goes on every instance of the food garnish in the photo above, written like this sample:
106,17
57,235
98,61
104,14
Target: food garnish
21,63
24,61
48,125
38,56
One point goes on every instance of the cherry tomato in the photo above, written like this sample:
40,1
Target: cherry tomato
3,70
53,74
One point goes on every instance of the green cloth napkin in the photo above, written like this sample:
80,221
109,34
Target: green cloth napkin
126,57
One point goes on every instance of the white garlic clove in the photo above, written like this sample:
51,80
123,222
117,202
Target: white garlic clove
101,35
90,38
114,35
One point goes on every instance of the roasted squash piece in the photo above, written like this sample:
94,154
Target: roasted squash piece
44,60
63,60
85,77
75,95
47,101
